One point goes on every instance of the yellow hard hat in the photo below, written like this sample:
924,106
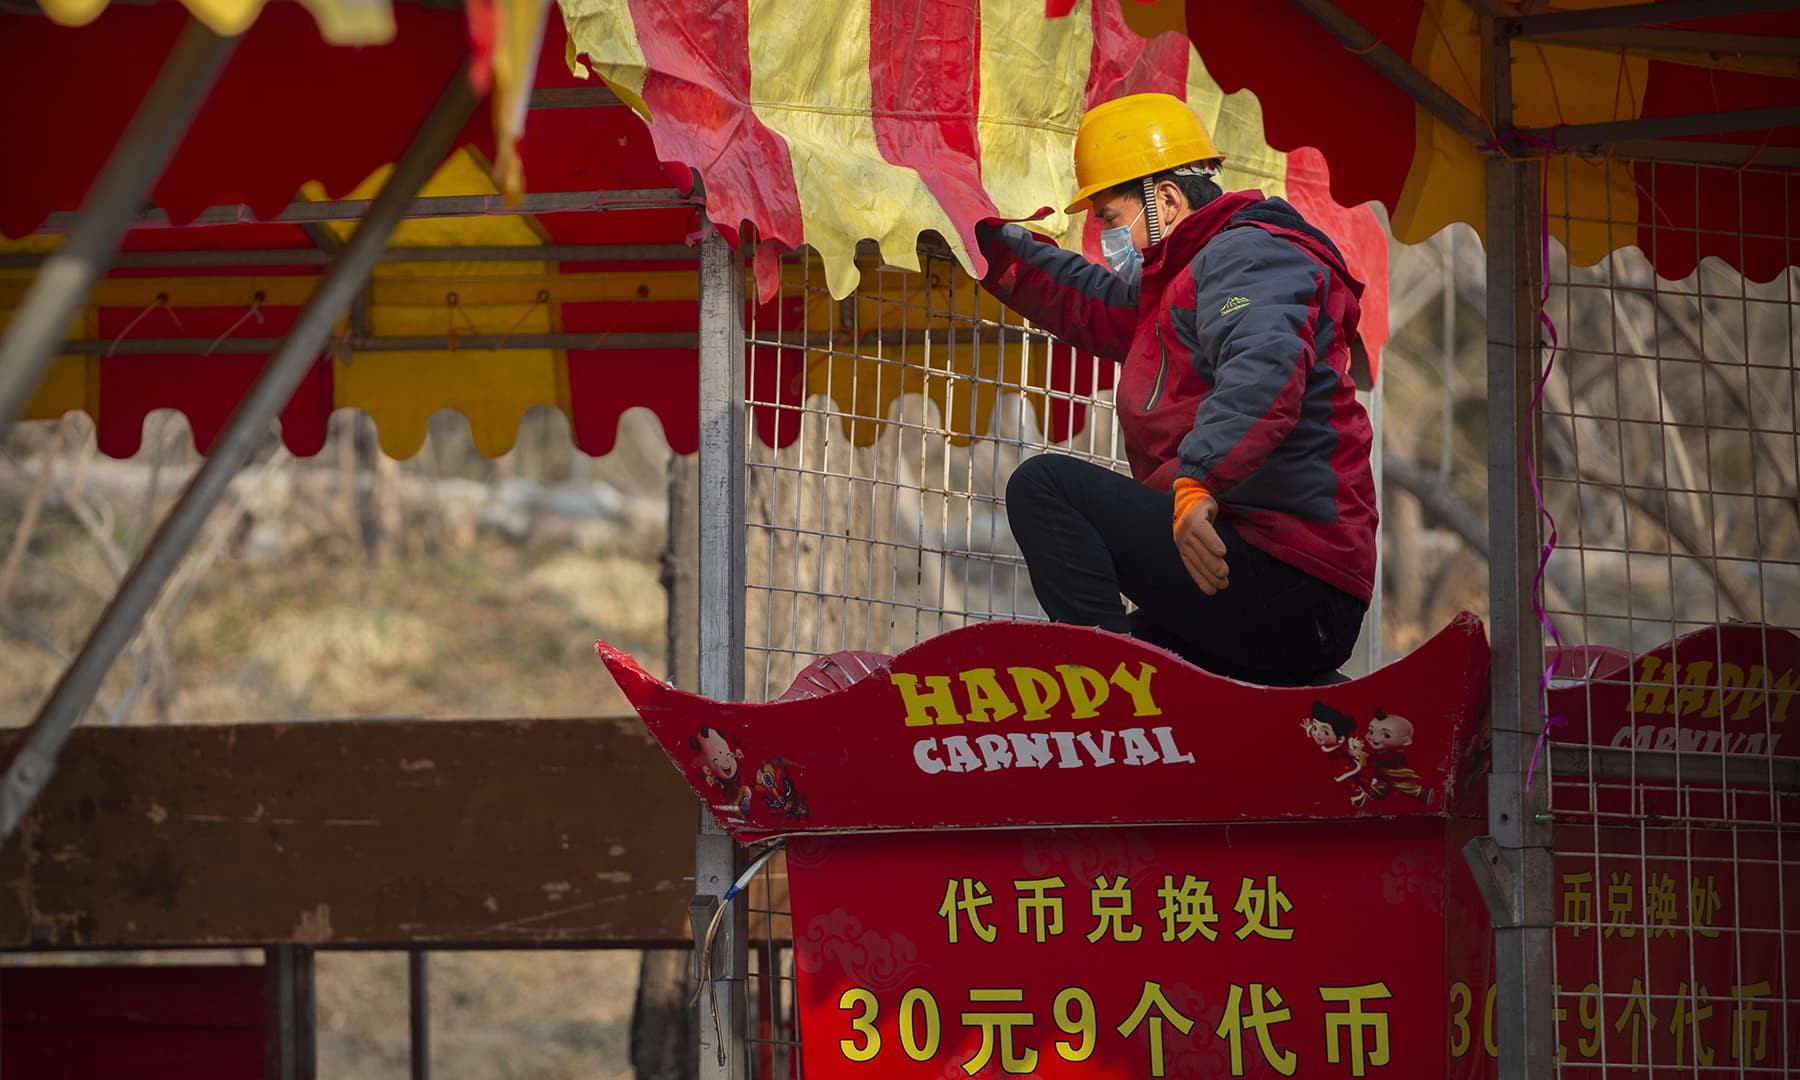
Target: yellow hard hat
1135,136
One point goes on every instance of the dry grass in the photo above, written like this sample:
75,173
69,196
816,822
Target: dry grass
487,632
621,594
494,1016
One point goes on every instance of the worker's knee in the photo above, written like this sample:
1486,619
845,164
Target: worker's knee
1036,482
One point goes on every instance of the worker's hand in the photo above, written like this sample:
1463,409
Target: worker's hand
1202,552
987,237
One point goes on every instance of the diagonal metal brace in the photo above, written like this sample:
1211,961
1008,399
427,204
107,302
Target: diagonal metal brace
1396,69
31,767
1495,878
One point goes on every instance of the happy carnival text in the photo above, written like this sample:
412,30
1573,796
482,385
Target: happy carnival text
1702,705
1028,695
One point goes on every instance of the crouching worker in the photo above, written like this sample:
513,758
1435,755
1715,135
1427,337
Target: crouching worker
1245,535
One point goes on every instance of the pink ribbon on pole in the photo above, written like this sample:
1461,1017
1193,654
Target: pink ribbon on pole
1537,491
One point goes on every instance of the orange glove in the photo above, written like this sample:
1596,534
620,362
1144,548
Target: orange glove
1202,551
1188,494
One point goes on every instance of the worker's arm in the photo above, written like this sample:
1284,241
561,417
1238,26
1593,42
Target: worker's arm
1080,302
1259,312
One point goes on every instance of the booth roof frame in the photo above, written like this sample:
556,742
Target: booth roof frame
1515,861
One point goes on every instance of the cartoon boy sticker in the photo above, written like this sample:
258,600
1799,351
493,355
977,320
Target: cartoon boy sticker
718,764
1382,754
1331,729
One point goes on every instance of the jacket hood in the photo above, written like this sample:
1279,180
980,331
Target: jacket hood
1170,255
1232,210
1277,215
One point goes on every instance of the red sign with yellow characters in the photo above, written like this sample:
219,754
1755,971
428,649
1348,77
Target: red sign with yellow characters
1052,851
1055,852
1677,884
1318,949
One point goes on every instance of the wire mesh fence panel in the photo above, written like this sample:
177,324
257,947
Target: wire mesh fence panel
883,429
772,1036
1668,461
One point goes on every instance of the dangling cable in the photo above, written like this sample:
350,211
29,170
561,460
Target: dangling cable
255,312
712,928
453,308
161,301
543,299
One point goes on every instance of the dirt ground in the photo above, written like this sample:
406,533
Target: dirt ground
494,1015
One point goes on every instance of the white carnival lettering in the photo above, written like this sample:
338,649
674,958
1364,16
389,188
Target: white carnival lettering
1036,750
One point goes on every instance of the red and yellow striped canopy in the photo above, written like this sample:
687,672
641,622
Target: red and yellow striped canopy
968,127
829,123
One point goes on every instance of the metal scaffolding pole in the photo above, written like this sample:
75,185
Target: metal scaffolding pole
724,1012
60,289
36,759
290,1048
1417,85
1513,862
426,206
418,1000
316,256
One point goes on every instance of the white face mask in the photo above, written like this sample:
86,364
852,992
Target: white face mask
1121,255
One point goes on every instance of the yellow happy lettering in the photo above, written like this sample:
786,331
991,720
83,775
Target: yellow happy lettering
1142,704
1037,690
1088,690
987,701
935,706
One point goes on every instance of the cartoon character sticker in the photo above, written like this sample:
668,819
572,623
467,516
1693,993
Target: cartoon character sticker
718,765
1381,753
1332,730
775,787
1373,766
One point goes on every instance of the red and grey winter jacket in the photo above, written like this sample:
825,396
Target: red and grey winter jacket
1235,370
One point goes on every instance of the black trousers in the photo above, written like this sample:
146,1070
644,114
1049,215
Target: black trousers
1089,534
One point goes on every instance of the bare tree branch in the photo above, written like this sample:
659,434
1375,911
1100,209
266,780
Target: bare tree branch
34,503
26,632
1439,502
1746,604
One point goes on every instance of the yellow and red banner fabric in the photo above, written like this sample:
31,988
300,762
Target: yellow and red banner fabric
827,125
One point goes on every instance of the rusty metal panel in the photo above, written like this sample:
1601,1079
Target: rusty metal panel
489,833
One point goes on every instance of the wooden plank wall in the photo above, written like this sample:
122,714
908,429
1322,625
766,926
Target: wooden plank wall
435,833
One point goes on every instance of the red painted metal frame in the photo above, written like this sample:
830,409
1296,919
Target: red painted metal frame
150,1022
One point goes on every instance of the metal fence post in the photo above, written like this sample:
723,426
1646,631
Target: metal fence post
61,287
418,1002
724,1011
290,1031
1518,864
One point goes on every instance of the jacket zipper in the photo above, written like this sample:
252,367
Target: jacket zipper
1162,371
